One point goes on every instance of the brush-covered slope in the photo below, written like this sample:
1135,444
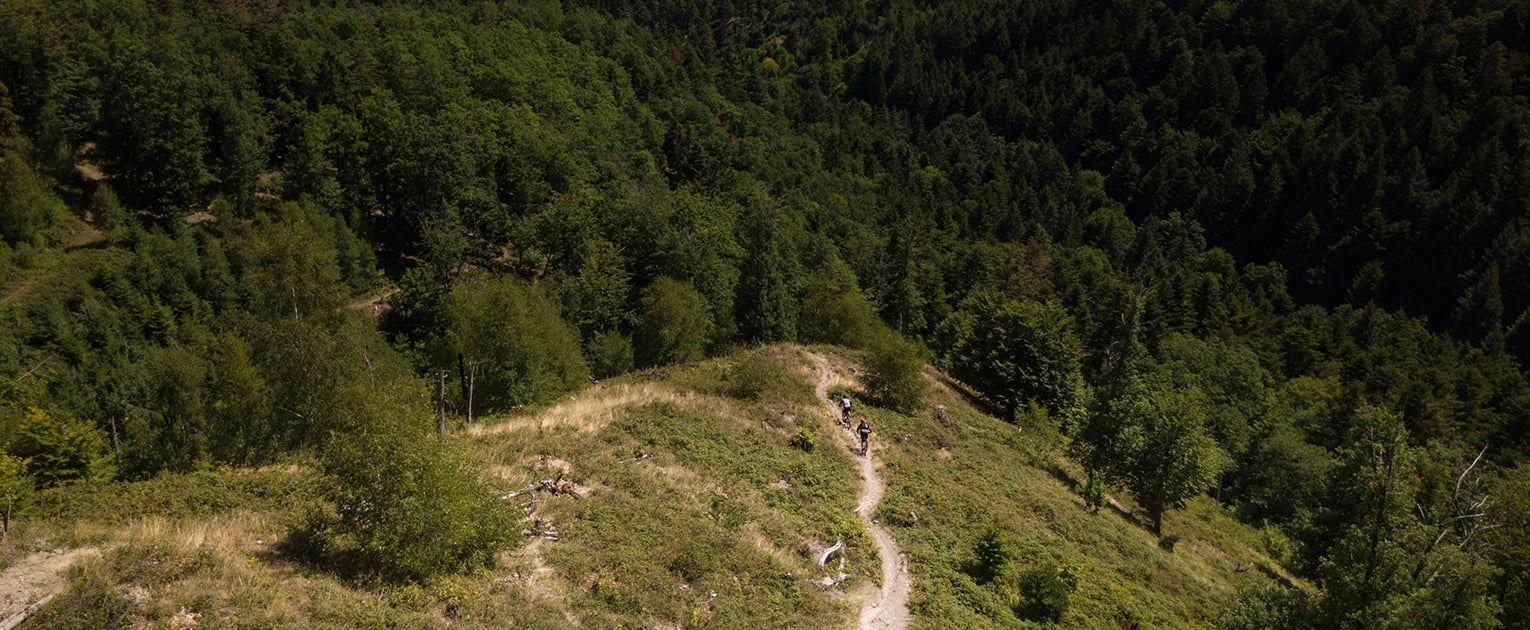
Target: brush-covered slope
694,496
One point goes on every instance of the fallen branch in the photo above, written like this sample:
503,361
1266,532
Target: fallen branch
18,618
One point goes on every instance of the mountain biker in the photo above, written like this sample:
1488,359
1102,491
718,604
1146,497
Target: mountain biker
844,407
865,432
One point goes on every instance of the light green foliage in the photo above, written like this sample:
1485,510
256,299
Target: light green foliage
59,448
309,365
15,489
406,507
1238,390
1510,543
1176,458
674,324
1017,352
293,269
993,551
835,312
240,419
108,213
525,353
804,440
895,371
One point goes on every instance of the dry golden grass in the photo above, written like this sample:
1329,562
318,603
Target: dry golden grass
595,408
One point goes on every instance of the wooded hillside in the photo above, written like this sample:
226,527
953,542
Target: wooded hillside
1274,252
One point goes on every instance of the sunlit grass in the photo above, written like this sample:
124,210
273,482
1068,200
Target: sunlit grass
682,490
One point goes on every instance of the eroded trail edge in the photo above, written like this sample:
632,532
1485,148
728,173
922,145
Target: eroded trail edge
888,607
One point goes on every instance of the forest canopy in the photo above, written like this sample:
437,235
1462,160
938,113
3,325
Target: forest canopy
1288,241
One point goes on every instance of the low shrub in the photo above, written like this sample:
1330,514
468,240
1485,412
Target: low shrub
995,549
91,602
804,440
757,376
406,509
1268,605
396,503
1039,593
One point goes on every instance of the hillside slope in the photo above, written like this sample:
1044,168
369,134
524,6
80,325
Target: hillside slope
695,496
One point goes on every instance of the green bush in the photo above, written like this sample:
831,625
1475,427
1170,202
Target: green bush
834,313
995,549
895,372
405,507
15,488
28,210
756,376
1268,606
1093,491
804,440
1040,593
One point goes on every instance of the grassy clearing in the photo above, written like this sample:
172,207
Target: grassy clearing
693,503
949,479
696,510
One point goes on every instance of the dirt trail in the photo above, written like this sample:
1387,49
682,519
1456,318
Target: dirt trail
31,580
887,607
6,299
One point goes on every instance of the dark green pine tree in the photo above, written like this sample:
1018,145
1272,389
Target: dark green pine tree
767,303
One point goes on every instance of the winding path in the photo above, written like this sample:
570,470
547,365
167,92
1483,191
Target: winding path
888,606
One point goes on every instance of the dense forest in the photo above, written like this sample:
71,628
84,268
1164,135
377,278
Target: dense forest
1275,252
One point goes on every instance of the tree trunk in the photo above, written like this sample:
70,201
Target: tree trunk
116,447
441,405
472,375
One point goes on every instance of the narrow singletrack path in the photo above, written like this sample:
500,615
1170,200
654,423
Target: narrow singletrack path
888,606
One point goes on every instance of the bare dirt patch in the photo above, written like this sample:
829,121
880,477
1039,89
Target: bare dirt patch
32,579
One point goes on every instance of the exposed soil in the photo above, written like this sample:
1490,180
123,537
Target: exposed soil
887,607
31,579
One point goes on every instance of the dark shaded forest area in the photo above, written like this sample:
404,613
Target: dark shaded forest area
1278,252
